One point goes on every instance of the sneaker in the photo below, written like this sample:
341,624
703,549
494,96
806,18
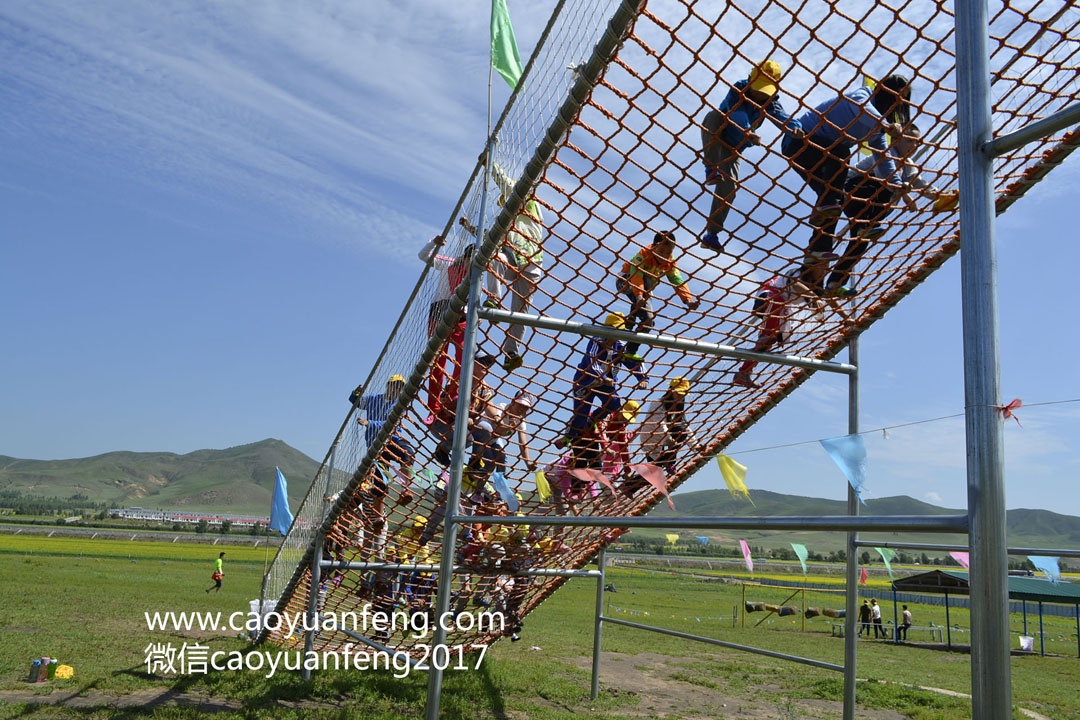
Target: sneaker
712,175
483,602
872,232
430,419
743,379
823,213
565,441
711,241
491,305
406,497
514,637
842,291
512,362
633,357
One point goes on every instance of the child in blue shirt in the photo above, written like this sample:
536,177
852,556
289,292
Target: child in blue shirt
832,131
729,130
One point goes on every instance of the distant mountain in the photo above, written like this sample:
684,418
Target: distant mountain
239,479
1025,528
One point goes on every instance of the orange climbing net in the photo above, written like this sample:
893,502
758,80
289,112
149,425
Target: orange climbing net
629,166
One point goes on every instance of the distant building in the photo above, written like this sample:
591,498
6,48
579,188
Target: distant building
187,517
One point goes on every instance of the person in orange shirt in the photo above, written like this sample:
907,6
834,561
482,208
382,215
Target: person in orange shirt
639,277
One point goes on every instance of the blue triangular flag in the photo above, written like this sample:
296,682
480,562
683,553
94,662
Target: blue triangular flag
280,515
702,539
1048,565
503,488
849,453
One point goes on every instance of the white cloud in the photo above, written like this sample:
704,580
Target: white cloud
933,497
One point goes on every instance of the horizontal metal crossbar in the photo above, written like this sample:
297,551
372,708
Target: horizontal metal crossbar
859,523
964,548
416,665
722,643
1035,131
457,570
667,341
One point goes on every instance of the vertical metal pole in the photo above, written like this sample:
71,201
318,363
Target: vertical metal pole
851,598
743,606
1025,615
1078,630
316,573
1042,635
948,624
313,604
803,595
457,461
991,684
895,620
598,624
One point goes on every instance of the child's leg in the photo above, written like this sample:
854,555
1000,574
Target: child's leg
582,407
608,395
723,196
523,288
435,380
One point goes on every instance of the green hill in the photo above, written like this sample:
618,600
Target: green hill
1026,528
239,479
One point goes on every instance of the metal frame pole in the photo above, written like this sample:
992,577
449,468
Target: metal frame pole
457,460
1042,635
948,625
598,623
991,685
851,598
316,574
546,322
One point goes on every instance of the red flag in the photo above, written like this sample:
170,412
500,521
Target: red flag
863,576
593,476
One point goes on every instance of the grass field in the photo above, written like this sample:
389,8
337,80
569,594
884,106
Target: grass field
88,611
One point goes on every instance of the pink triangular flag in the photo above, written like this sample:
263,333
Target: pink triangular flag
656,477
406,481
863,576
746,555
961,557
593,476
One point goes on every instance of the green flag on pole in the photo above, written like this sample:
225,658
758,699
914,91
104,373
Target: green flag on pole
800,552
887,554
505,57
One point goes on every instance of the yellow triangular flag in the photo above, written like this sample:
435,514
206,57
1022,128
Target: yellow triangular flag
672,538
734,475
542,485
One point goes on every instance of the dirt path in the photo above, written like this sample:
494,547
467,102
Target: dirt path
148,699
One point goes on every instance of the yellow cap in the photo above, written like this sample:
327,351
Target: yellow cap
396,378
765,78
615,320
680,385
629,410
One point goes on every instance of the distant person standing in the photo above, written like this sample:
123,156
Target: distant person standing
906,624
864,618
219,572
875,613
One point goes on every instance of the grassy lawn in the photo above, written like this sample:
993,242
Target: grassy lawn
88,611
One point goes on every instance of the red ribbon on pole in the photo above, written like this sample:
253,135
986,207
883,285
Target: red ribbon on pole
1007,410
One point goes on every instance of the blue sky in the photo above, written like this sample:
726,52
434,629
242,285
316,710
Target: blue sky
210,218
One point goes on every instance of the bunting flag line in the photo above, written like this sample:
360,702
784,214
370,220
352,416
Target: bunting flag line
505,492
863,576
702,539
1047,565
961,557
672,538
849,454
734,475
655,476
801,553
505,57
887,554
542,486
746,555
281,517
